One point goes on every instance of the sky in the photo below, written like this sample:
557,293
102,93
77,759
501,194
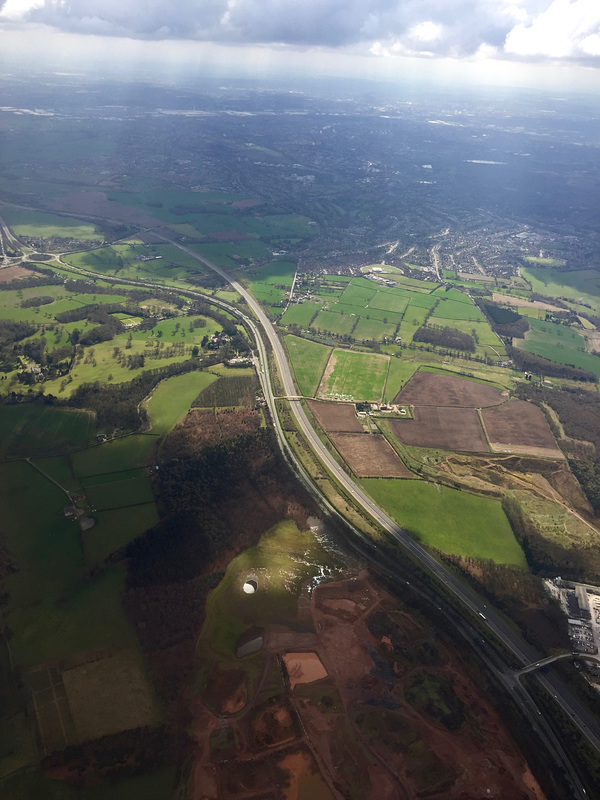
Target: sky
552,43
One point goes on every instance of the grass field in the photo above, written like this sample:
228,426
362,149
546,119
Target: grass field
559,343
172,399
357,375
546,262
51,612
115,528
335,323
121,454
451,521
32,429
300,314
120,492
48,226
308,361
400,372
373,329
580,286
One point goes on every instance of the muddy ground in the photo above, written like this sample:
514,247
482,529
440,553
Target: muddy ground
432,389
396,716
370,455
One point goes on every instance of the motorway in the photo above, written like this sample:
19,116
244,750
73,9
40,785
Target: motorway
486,616
500,628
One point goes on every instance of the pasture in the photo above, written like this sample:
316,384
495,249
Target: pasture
50,610
454,522
172,399
308,360
48,226
352,375
559,343
115,528
300,313
115,456
33,430
579,286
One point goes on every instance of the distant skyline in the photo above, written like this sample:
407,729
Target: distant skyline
537,43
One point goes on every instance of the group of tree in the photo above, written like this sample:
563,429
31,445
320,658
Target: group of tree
447,337
504,321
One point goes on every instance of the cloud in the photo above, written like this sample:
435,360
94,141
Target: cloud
458,28
564,30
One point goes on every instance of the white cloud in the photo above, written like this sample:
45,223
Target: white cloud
564,30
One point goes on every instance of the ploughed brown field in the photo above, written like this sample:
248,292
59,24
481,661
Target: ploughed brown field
370,456
14,273
443,428
336,417
432,389
518,425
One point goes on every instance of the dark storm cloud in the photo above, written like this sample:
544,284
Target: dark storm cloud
466,24
531,28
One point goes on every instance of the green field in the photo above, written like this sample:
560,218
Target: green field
399,373
115,528
33,430
172,399
581,286
116,456
120,492
48,226
559,343
330,322
50,611
454,522
308,361
360,376
300,314
546,262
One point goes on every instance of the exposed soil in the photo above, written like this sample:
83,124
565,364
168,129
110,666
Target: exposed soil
519,425
336,417
520,303
432,389
444,428
14,273
350,731
303,668
370,455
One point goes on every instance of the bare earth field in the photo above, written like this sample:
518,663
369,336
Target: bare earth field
431,389
445,428
519,302
370,455
364,710
520,426
14,273
336,417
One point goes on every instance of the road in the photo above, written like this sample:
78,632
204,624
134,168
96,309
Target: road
488,617
500,628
